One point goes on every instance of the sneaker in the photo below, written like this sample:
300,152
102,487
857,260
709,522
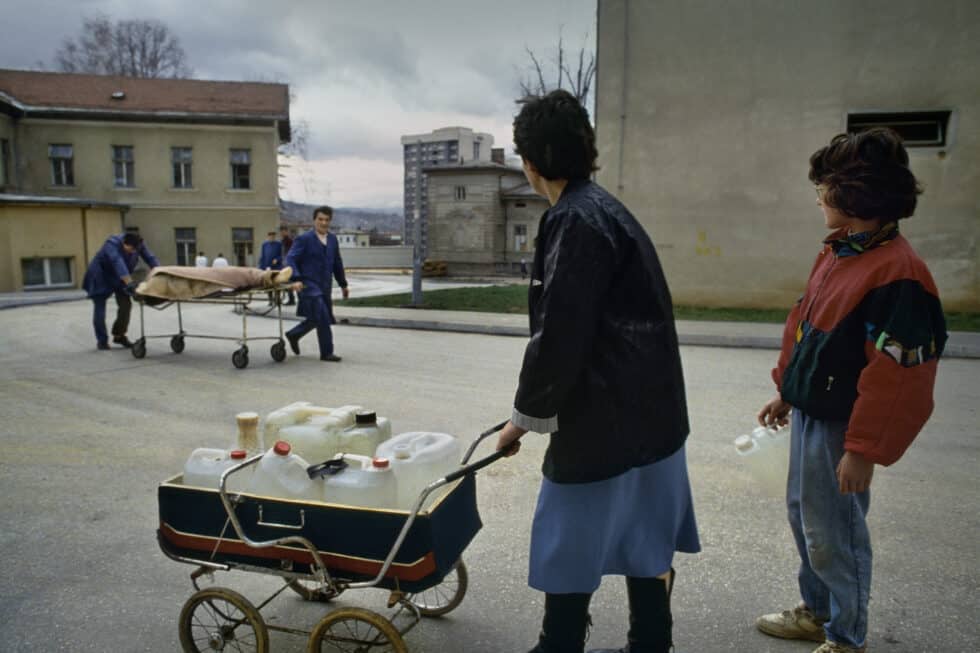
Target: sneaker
332,358
293,343
834,647
122,340
798,623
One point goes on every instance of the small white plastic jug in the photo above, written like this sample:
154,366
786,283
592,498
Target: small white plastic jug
766,455
205,466
282,474
419,458
366,482
365,435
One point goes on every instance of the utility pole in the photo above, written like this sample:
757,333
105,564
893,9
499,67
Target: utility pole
417,231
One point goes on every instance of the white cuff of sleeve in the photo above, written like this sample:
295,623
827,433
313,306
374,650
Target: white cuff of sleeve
536,424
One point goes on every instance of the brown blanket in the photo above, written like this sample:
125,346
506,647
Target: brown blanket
173,282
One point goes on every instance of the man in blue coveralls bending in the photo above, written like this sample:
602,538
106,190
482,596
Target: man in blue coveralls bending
315,258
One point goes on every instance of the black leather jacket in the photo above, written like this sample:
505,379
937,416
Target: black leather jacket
603,354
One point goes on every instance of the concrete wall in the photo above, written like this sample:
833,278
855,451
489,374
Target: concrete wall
377,257
211,206
31,231
528,215
708,112
7,171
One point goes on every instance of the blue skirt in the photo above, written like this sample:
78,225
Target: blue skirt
628,525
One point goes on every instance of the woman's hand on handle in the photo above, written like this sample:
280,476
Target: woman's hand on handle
510,438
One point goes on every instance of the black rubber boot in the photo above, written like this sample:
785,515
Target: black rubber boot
566,620
651,624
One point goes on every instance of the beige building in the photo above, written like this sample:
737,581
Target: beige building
351,238
483,218
708,112
195,161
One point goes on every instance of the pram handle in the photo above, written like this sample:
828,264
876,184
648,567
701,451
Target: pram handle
483,462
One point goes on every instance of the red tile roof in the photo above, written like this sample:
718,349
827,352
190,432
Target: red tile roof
42,92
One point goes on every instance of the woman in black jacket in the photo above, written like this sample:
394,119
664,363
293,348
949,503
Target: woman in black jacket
602,375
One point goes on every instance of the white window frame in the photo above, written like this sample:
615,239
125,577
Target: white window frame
62,167
123,166
47,274
183,167
244,156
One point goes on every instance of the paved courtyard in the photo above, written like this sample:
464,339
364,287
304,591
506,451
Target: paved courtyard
86,437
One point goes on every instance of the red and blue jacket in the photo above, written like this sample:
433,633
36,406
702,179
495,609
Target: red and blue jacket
863,343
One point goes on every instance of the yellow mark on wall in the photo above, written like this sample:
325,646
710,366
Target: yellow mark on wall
703,248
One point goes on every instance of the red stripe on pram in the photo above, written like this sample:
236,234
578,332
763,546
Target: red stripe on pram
409,572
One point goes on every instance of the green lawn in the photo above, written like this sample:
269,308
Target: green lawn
513,299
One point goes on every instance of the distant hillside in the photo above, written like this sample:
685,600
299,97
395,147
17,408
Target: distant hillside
389,221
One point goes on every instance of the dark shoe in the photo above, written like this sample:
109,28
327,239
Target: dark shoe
566,620
122,340
332,358
103,346
293,343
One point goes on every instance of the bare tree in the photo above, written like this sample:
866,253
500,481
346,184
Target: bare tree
578,83
295,154
132,48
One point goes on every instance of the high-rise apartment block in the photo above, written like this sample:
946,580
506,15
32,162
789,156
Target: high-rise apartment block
448,146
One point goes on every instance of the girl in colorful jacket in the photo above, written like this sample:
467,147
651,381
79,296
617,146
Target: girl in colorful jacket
857,368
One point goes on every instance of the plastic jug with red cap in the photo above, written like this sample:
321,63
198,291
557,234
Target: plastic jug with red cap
364,481
205,466
282,474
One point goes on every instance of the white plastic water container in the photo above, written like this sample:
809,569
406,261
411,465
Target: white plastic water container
346,414
205,466
766,455
418,458
314,441
366,482
282,474
365,435
297,412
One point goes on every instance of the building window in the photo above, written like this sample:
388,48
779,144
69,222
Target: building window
46,272
62,172
917,128
241,165
241,242
186,238
520,237
4,162
182,158
122,166
476,151
461,192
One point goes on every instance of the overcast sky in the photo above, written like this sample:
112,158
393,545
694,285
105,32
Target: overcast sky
362,72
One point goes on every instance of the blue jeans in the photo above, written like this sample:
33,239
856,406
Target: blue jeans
123,307
830,531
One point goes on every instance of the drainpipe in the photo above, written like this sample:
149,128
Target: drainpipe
624,96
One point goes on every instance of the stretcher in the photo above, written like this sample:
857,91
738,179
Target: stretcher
320,550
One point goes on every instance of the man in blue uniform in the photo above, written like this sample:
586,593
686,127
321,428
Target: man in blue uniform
110,273
271,257
315,260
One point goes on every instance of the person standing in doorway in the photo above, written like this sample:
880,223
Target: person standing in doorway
201,261
110,273
315,260
271,257
287,242
602,375
219,261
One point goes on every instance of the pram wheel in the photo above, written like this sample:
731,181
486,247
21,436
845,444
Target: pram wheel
177,344
310,591
278,351
444,597
240,358
355,630
139,348
216,619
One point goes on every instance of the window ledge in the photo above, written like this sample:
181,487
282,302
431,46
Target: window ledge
127,189
240,190
177,189
73,189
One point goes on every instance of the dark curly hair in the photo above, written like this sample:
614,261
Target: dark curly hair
554,134
866,175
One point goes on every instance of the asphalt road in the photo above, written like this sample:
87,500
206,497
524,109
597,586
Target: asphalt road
86,437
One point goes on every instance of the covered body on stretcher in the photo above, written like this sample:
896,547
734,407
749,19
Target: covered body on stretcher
178,283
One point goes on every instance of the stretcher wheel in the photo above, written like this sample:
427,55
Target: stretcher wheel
218,619
444,597
279,351
139,348
311,591
177,344
240,358
355,629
